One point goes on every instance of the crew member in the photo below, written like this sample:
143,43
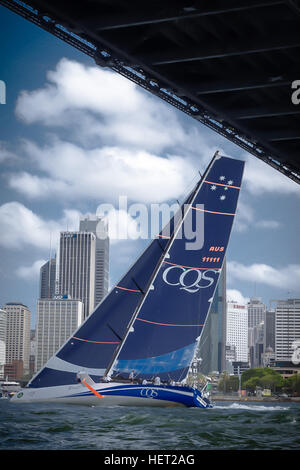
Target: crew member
157,381
131,376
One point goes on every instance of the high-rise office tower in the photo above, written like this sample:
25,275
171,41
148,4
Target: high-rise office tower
57,319
258,334
47,279
97,226
77,267
268,355
256,344
256,312
17,334
269,340
213,338
237,329
287,328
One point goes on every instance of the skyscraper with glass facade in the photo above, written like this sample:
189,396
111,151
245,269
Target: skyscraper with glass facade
77,267
47,279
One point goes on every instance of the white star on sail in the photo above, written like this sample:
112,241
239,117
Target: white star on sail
226,189
213,187
230,182
222,197
222,178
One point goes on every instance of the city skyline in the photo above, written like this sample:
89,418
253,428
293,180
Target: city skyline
253,339
76,136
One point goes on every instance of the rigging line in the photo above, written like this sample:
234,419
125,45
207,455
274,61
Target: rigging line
221,184
131,290
141,290
185,374
186,194
163,324
212,212
161,247
114,332
96,342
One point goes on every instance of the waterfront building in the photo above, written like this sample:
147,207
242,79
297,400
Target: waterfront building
256,312
17,336
77,267
47,279
3,322
14,370
237,329
230,351
287,328
99,228
239,367
213,338
57,319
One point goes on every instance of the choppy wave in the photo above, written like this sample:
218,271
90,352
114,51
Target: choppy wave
251,407
227,426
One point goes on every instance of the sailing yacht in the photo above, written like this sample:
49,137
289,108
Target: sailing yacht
150,323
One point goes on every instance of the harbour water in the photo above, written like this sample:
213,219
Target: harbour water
228,426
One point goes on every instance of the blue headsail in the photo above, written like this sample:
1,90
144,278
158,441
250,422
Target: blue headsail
164,332
92,346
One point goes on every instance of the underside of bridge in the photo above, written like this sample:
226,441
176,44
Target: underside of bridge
231,65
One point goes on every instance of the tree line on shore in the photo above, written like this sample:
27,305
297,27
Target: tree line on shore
263,377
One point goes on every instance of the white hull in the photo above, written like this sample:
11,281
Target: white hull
114,394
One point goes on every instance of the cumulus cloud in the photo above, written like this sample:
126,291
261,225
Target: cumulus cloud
101,173
234,295
260,178
153,155
124,140
30,272
284,278
100,104
97,107
21,227
5,154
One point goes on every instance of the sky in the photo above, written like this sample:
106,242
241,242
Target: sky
74,136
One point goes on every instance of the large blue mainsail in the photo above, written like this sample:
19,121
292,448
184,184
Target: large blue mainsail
93,344
165,330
